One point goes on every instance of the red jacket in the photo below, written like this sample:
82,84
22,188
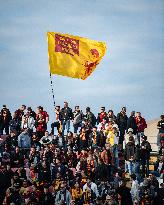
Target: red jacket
141,124
101,116
40,126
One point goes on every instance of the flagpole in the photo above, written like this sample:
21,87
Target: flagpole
52,90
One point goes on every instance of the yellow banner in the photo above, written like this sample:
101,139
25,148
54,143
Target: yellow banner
73,56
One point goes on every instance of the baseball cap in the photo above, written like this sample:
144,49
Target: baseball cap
130,130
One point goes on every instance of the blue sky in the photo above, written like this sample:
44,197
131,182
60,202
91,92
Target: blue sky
130,74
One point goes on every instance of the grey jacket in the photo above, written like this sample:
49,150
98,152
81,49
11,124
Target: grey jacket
78,116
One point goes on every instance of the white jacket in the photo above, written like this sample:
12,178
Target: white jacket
135,190
29,123
93,187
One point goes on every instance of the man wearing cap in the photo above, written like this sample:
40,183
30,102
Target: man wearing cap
127,135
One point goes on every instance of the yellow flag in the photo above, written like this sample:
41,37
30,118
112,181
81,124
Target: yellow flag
73,56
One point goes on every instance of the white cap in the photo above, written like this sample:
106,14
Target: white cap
130,130
115,126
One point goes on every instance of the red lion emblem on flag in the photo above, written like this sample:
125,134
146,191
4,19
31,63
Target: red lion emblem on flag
66,44
90,65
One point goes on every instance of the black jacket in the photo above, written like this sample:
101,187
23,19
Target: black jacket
46,198
160,195
101,172
15,125
161,126
126,198
122,121
129,150
4,121
131,123
145,150
91,118
66,114
44,174
137,153
97,138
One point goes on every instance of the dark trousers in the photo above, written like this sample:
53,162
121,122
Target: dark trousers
53,125
121,137
144,167
40,134
110,169
6,128
76,126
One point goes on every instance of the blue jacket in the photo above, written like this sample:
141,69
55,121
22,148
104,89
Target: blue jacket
24,140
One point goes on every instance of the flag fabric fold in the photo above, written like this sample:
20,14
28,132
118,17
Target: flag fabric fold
73,56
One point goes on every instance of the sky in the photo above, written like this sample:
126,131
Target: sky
130,74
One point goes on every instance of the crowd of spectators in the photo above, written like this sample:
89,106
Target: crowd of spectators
84,159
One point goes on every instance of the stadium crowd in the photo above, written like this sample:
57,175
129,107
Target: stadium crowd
104,159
